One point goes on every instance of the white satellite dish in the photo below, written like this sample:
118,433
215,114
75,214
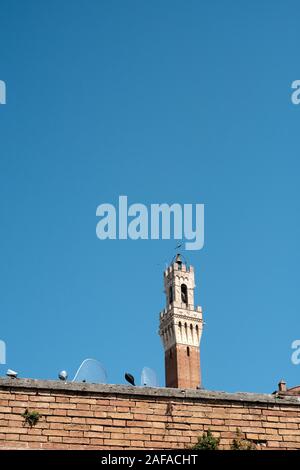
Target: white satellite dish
149,378
91,371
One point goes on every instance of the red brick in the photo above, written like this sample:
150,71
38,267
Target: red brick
97,441
54,439
88,401
103,408
95,427
80,413
120,415
63,400
55,432
102,401
113,442
44,399
59,419
5,409
28,438
125,402
119,422
104,421
11,430
7,396
94,434
63,406
138,437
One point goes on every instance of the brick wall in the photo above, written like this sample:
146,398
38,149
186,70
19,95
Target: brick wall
81,416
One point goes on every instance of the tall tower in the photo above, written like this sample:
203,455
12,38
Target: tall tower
181,327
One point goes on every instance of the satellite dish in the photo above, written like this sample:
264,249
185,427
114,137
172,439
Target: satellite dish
91,371
149,378
11,373
129,378
63,375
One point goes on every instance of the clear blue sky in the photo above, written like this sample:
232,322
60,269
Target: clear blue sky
163,101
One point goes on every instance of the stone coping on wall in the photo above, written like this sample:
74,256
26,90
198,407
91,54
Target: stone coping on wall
55,386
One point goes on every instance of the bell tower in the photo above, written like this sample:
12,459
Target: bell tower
181,327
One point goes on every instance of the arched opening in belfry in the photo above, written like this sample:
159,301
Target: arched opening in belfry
184,294
186,331
192,331
171,295
180,330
